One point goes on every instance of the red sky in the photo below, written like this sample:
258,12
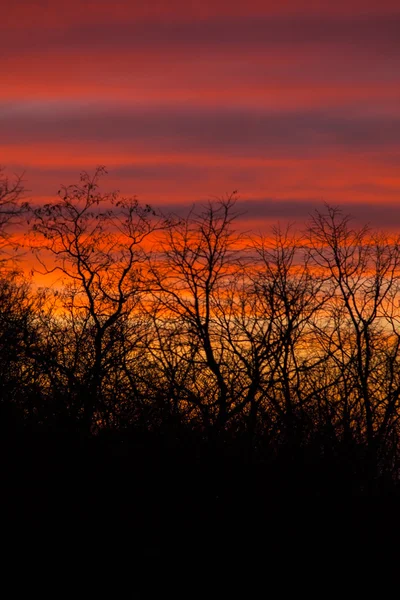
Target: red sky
291,103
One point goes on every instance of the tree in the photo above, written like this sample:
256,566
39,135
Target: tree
287,299
12,209
192,272
16,305
96,243
360,332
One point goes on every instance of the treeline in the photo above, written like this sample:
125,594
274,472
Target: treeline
188,334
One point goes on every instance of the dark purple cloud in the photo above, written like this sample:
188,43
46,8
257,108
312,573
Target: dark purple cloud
231,130
298,211
370,32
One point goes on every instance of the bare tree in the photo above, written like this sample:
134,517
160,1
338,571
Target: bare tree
363,266
95,242
195,266
288,300
12,211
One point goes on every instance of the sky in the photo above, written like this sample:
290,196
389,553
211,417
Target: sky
292,103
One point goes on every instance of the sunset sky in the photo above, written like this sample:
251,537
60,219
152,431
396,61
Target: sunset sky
291,103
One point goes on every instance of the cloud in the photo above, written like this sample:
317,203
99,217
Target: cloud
264,212
231,130
219,34
291,101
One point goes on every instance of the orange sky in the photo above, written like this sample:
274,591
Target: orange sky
292,105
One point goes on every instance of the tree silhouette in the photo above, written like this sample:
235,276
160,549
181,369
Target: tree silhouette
12,212
96,242
192,271
361,267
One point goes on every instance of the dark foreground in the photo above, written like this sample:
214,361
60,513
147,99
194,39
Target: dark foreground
152,498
